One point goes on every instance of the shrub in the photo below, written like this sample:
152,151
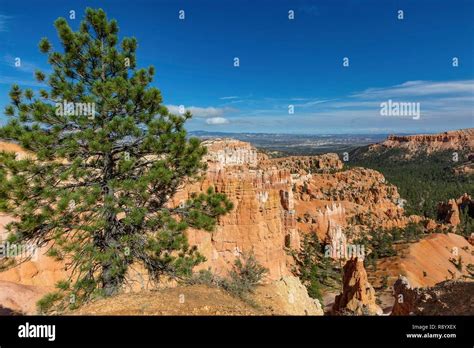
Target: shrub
246,274
204,277
457,263
470,269
385,282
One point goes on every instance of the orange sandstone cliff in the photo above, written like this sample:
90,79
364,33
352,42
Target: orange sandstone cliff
458,140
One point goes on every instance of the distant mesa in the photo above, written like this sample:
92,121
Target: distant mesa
462,140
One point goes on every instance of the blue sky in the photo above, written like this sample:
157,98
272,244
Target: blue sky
282,62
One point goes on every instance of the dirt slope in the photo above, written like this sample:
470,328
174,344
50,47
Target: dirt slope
187,300
427,262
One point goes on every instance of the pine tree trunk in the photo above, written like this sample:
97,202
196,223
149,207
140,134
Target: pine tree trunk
111,280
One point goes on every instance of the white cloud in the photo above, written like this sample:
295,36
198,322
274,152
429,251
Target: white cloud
228,98
197,111
206,112
217,120
419,88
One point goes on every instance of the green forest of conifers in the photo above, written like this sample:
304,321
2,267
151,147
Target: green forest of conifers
423,180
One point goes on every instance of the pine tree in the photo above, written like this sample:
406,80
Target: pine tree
312,266
107,158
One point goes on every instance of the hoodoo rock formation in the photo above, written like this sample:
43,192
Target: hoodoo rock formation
450,212
358,296
309,164
356,199
262,220
275,199
336,242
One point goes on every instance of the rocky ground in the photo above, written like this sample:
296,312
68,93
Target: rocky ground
18,298
446,298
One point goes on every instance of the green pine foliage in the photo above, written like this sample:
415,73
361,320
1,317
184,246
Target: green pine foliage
316,271
423,180
466,227
380,243
98,185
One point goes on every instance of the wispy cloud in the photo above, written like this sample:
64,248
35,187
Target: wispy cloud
444,105
229,97
419,88
448,100
217,121
10,80
25,66
299,99
4,19
312,102
311,10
